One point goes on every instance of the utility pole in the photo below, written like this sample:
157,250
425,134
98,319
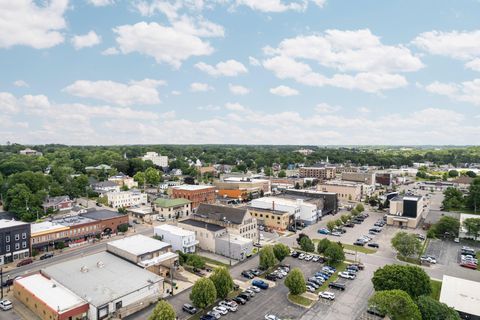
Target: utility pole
1,280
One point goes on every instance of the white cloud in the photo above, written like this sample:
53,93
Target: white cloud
23,22
284,91
136,92
467,91
200,87
110,51
326,108
320,3
363,110
234,106
254,61
238,90
209,107
8,103
229,68
101,3
273,5
87,40
20,84
474,64
198,26
176,93
165,44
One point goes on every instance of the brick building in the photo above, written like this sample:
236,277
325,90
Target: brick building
195,193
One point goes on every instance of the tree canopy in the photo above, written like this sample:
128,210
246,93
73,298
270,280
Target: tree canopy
295,281
411,279
406,244
163,311
223,282
323,245
203,293
334,253
281,251
432,309
267,257
397,304
306,244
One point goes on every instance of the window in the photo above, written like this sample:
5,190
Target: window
24,235
17,237
24,244
7,238
17,246
7,248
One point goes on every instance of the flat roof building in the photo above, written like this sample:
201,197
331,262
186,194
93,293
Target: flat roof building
14,240
462,295
197,194
406,211
180,239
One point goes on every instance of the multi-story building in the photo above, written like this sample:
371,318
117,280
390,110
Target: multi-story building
204,232
367,178
48,299
157,159
109,220
406,211
299,209
305,152
48,233
242,188
238,221
61,203
14,240
346,191
274,219
384,178
195,193
125,199
173,208
321,173
105,186
326,202
180,239
123,180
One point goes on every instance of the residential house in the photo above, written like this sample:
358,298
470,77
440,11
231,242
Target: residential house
30,152
61,203
105,186
123,180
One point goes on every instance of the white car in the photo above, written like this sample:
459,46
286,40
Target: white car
253,288
346,275
5,305
250,292
327,295
310,288
215,314
161,219
301,256
336,234
229,306
315,258
271,317
220,309
308,257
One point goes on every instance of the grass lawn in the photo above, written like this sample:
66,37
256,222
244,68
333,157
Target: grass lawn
436,288
299,300
215,262
341,267
351,247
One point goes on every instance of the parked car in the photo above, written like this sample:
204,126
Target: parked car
420,236
189,308
323,231
315,280
359,243
5,305
208,317
346,275
327,295
250,292
24,262
222,310
308,257
161,219
230,305
271,317
315,258
310,288
337,285
255,272
245,296
313,284
469,265
254,289
294,254
248,274
46,256
349,225
271,277
240,300
260,284
375,312
336,234
215,314
301,256
373,245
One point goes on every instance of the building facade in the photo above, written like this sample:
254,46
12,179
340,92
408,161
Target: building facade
125,199
367,178
321,173
14,240
157,159
123,180
345,191
205,233
173,208
273,219
62,203
180,239
195,193
406,211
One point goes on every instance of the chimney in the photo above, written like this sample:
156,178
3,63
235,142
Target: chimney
273,205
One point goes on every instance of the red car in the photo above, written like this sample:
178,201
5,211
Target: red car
24,262
469,265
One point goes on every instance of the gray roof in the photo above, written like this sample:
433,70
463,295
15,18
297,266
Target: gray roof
101,214
201,224
222,213
104,184
101,278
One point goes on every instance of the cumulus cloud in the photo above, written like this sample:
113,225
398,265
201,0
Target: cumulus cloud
326,108
135,92
200,87
234,106
467,91
273,5
101,3
229,68
20,84
24,22
238,90
254,61
284,91
87,40
165,44
110,51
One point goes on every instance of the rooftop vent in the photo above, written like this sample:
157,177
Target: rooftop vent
100,264
84,269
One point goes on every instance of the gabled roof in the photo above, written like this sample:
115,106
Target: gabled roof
221,213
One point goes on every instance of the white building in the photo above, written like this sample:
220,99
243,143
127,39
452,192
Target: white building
303,211
125,199
124,181
157,159
112,286
30,152
180,239
462,295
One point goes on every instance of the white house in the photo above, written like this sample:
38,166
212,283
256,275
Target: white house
303,211
157,159
178,238
129,198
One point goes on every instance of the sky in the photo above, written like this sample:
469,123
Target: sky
300,72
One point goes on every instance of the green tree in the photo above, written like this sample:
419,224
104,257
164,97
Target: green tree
360,208
282,174
338,222
140,178
163,311
473,197
203,293
453,199
152,176
295,282
323,245
411,279
267,257
453,173
447,226
472,225
331,225
344,218
471,174
196,261
354,212
406,244
281,251
432,309
334,253
307,245
223,282
397,304
268,171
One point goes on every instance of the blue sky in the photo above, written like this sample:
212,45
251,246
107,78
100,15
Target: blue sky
316,72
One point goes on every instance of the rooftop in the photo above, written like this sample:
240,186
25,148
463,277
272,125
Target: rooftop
192,187
221,213
174,229
138,244
201,224
6,223
50,292
101,214
279,212
73,220
410,197
46,226
461,294
168,203
101,278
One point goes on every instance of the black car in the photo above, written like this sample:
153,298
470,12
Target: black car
373,245
357,221
255,272
207,317
271,277
244,296
189,308
46,256
295,254
349,225
337,285
239,300
359,243
248,274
